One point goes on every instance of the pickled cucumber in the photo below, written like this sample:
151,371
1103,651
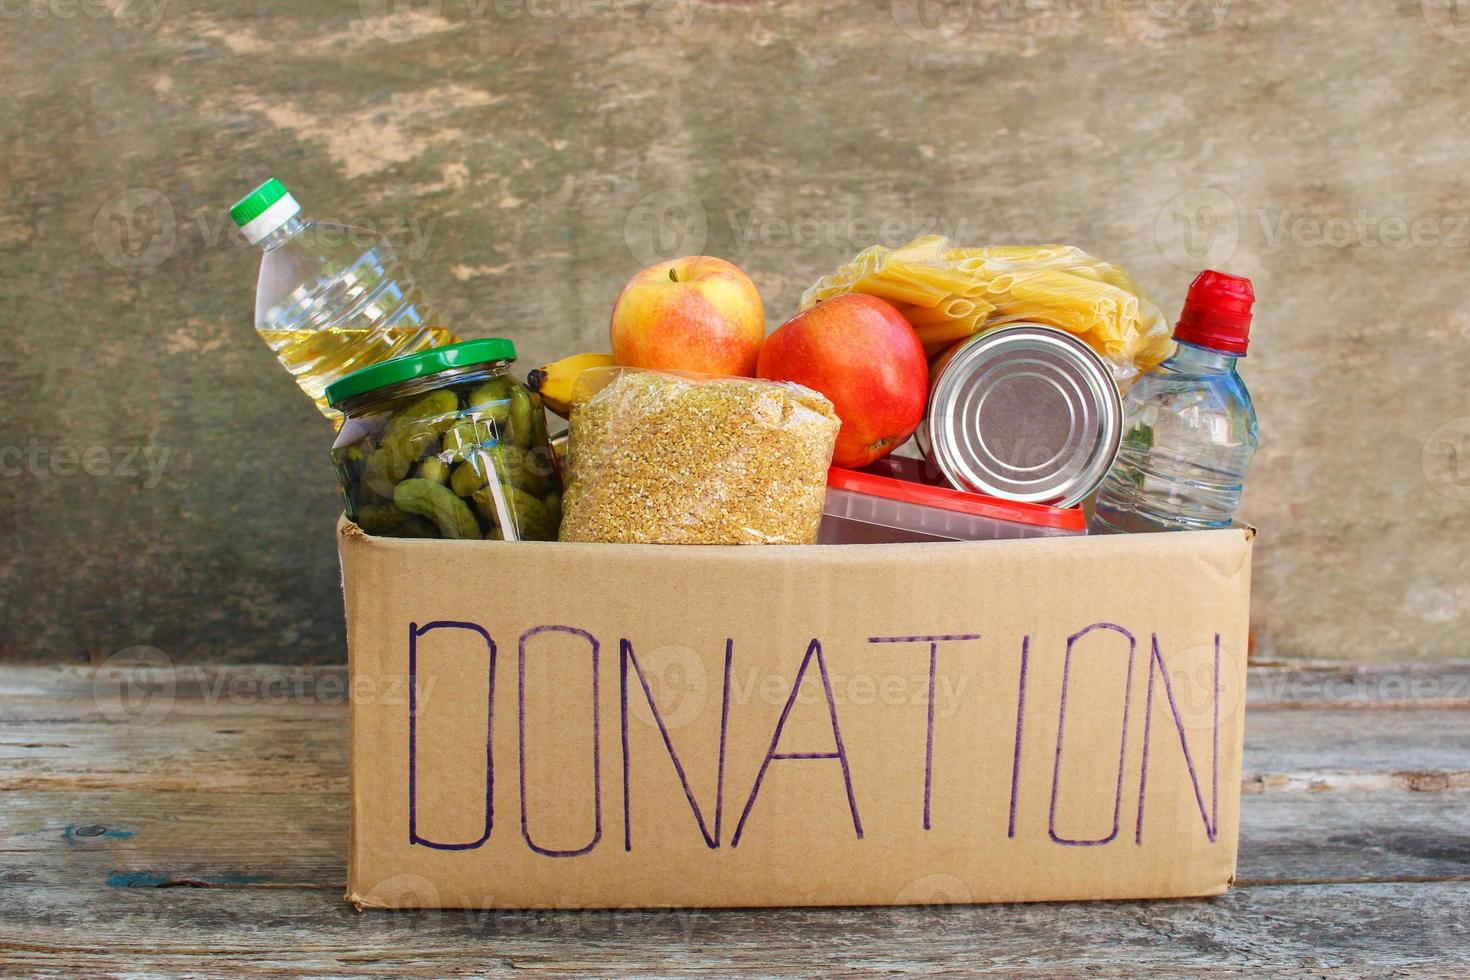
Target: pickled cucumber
522,412
383,470
351,461
467,478
415,429
378,518
530,518
464,436
526,469
467,461
491,400
439,504
434,469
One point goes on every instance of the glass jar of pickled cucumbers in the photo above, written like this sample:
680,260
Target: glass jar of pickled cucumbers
446,444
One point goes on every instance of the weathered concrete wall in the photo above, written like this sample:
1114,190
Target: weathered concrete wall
528,155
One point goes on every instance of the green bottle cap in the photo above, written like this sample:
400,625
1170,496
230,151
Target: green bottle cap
264,210
465,354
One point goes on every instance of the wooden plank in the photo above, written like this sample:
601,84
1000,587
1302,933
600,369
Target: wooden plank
1348,741
1354,835
212,834
264,749
218,682
1317,685
241,752
129,837
1332,794
1338,931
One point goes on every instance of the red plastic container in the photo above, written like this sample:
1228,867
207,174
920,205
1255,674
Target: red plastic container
866,508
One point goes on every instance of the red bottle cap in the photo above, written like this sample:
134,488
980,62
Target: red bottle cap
1217,312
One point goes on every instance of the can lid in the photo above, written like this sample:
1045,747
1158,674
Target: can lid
465,354
264,210
943,498
1025,412
1217,312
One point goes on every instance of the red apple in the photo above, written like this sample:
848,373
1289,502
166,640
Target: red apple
693,314
863,355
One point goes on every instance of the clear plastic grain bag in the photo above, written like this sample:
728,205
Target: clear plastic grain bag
663,458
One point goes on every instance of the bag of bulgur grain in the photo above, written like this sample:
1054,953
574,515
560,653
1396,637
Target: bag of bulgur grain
660,458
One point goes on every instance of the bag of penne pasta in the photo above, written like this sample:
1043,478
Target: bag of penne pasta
950,293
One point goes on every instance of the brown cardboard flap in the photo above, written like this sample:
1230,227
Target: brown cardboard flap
569,725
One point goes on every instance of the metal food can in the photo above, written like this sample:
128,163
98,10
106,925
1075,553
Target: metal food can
1024,412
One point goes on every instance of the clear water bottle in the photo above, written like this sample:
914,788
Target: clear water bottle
330,298
1189,429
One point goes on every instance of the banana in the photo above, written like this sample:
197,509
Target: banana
554,382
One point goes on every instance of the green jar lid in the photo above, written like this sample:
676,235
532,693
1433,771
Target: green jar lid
409,366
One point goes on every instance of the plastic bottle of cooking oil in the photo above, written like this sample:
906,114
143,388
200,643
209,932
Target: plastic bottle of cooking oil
330,298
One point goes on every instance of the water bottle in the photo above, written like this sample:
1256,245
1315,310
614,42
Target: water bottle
330,298
1189,427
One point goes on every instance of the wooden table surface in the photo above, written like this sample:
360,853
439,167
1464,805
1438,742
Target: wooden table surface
199,825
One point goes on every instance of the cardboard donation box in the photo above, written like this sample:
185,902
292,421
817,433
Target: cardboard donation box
582,725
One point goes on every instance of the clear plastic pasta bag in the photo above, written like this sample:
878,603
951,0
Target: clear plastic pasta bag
663,458
949,294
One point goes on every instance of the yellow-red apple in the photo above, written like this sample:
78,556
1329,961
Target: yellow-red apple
697,313
865,357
